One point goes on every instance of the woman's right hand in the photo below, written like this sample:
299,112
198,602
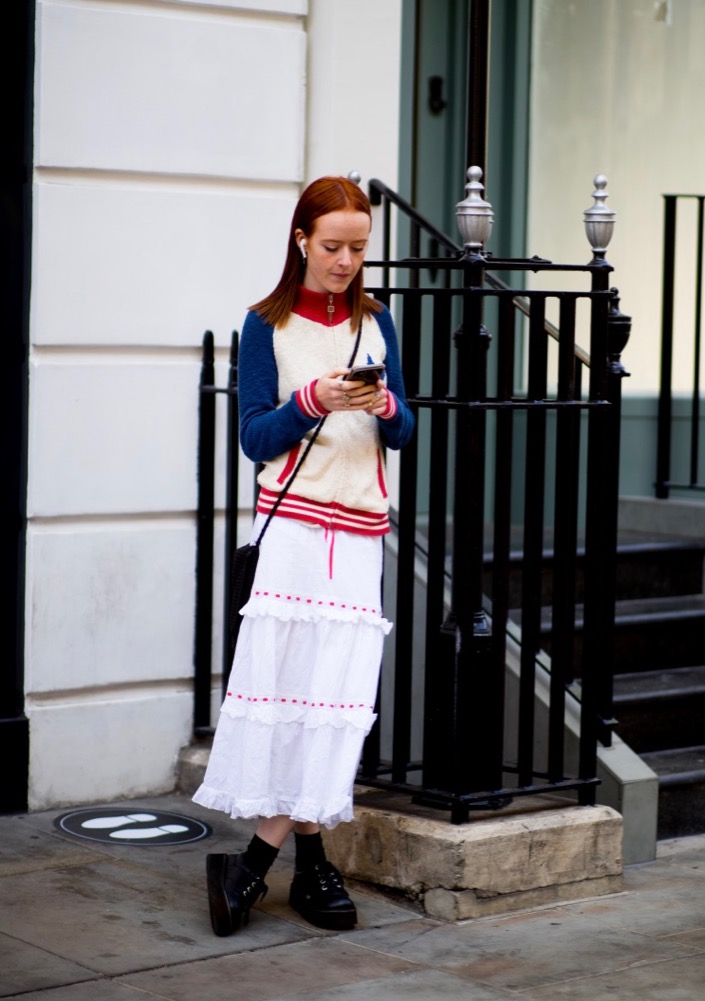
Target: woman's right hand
334,393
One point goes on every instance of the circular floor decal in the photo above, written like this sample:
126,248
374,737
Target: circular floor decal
138,827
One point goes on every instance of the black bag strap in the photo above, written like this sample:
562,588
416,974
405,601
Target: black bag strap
317,430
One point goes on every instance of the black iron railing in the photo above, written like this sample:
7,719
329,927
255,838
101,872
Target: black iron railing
515,464
691,479
205,527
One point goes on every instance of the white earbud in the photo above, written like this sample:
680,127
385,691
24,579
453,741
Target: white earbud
302,248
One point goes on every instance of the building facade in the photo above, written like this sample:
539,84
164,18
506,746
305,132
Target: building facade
169,142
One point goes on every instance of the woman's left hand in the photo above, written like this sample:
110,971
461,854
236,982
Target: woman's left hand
362,396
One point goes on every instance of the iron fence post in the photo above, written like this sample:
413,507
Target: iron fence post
232,490
471,770
663,448
203,638
600,528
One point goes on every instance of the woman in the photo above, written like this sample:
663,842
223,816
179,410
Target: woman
300,698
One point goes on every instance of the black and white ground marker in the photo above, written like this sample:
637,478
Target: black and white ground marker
138,827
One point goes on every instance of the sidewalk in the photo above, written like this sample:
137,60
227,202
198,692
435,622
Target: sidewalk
89,921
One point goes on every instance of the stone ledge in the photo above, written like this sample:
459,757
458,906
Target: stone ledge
536,852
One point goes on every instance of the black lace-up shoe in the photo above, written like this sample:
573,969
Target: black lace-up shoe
319,896
232,890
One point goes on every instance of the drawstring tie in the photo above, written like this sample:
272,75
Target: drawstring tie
330,539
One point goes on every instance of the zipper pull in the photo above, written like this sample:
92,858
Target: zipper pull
331,308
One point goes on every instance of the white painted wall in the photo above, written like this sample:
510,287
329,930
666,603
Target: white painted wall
169,152
354,59
172,140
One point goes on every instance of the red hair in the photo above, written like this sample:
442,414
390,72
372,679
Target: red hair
327,194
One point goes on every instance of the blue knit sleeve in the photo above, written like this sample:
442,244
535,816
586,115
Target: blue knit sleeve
397,431
266,429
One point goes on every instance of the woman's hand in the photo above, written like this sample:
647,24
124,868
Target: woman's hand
334,392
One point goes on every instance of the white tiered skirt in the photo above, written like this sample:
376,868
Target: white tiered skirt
301,694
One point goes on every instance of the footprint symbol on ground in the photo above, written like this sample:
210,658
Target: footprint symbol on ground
132,824
116,826
105,822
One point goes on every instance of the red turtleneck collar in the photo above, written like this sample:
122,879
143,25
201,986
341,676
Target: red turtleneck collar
314,306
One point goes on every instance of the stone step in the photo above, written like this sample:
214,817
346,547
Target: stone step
657,710
681,773
645,569
650,633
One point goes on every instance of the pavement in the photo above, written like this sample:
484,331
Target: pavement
84,920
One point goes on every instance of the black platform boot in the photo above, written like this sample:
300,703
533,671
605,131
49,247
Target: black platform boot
232,890
319,896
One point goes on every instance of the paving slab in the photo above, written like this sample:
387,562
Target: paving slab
94,990
113,917
668,981
421,985
25,848
303,968
656,905
26,967
525,951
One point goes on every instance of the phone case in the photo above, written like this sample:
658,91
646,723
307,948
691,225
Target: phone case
365,373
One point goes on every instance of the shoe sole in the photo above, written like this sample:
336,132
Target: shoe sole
221,915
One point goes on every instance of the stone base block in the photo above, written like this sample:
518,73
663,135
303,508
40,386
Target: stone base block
536,852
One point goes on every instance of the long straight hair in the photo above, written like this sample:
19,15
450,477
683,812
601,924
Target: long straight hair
327,194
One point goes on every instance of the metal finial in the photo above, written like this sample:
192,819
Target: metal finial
474,214
599,220
355,176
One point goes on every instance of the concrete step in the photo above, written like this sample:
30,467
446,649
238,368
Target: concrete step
650,633
657,710
646,568
681,774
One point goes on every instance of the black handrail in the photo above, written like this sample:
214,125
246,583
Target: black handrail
665,479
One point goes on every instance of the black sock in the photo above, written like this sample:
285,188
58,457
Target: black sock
309,851
260,856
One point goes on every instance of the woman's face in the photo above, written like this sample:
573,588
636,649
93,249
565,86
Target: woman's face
335,250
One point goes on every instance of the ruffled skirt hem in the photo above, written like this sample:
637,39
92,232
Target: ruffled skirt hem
328,815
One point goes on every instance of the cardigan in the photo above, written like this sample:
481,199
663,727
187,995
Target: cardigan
342,485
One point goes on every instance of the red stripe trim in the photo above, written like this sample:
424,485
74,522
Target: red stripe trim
380,475
289,465
391,407
269,496
308,402
331,515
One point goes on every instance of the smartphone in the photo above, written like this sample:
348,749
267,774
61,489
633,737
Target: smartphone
365,373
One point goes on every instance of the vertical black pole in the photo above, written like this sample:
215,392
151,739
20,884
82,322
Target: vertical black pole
618,331
501,547
695,399
438,674
663,459
534,495
565,533
232,489
17,76
478,65
600,539
472,663
408,475
203,641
